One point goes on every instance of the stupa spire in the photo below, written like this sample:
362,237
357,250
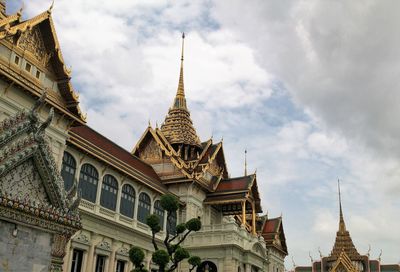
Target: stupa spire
180,100
343,241
342,225
178,127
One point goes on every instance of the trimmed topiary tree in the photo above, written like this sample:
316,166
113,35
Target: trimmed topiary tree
136,255
168,259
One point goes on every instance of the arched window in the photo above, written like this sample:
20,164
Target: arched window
68,170
127,201
109,190
171,225
159,211
207,266
144,207
88,180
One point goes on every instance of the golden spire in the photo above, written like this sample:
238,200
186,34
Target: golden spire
343,241
178,126
180,100
245,162
342,226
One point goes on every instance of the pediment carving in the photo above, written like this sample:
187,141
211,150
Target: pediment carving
32,41
151,152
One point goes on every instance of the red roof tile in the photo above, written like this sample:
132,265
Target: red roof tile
271,225
234,184
106,145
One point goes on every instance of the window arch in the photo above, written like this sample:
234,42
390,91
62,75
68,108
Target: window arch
109,190
127,201
88,180
159,211
171,224
144,207
68,170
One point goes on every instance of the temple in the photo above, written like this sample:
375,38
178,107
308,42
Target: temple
344,256
87,198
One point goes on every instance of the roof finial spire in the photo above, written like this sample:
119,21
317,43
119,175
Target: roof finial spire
245,162
51,7
180,100
342,226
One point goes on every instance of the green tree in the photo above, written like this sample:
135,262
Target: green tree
136,255
168,259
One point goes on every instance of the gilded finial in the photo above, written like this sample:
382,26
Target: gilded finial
51,7
369,250
156,124
380,256
320,253
183,40
149,124
342,226
245,162
21,9
293,263
180,100
311,258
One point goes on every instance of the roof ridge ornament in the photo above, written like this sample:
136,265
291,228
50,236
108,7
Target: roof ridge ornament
51,7
245,162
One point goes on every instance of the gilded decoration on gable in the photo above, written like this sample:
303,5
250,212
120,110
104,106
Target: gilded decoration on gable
215,169
32,42
151,152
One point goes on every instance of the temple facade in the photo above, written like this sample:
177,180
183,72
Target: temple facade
117,189
344,256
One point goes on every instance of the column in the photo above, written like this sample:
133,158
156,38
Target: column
91,255
253,218
111,265
244,213
67,259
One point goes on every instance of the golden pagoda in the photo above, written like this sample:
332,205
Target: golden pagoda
344,256
343,242
178,126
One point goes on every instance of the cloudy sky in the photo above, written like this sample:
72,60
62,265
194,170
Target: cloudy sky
309,88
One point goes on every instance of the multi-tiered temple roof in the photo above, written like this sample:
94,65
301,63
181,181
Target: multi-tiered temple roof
343,242
178,126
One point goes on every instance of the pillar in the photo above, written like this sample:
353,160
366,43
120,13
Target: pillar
244,213
253,218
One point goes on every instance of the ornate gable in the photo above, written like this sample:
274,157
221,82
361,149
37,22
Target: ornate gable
32,41
24,182
36,41
343,264
28,172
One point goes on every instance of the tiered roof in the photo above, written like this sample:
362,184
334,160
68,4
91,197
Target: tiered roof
271,229
178,126
36,39
343,241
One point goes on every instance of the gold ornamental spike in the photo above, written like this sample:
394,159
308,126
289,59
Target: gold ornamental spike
342,225
180,100
245,162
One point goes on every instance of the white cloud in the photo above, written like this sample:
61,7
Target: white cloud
333,68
